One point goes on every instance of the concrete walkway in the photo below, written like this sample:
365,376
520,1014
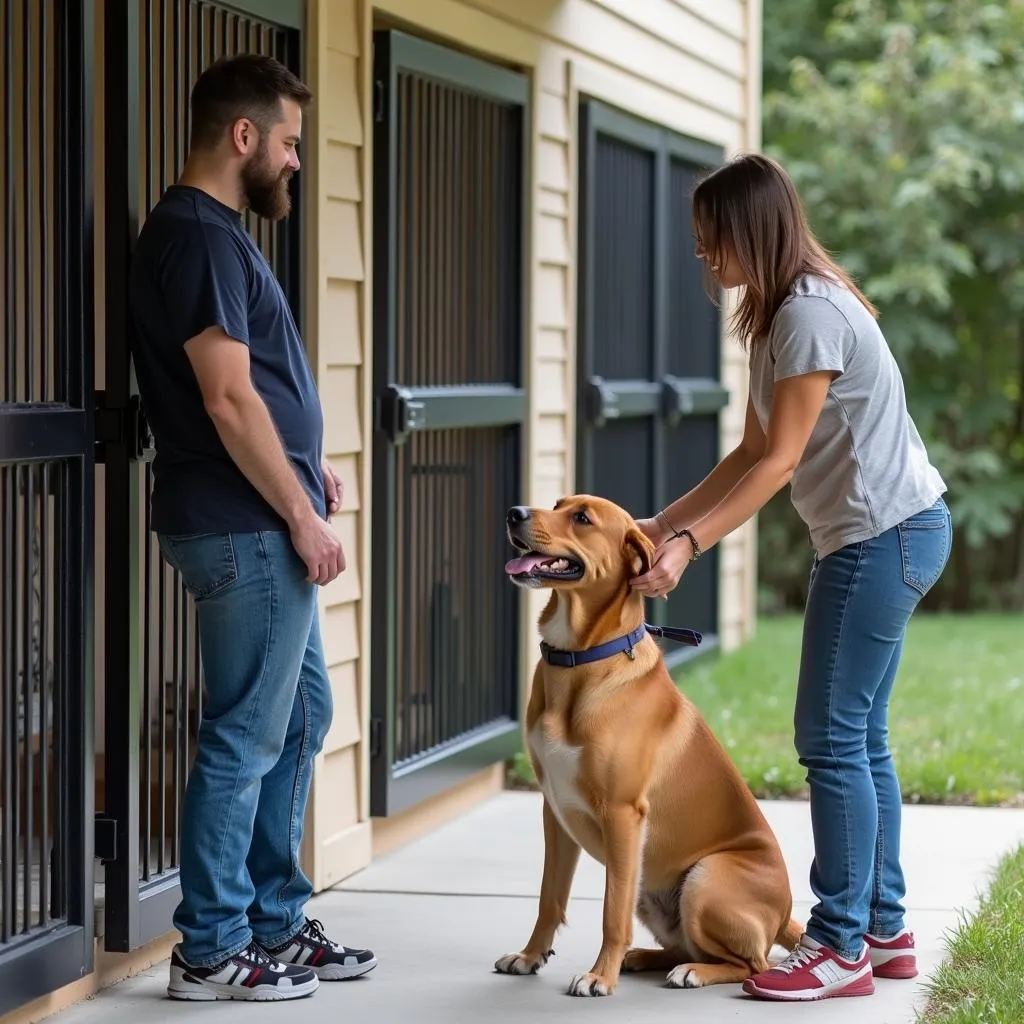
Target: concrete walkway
439,913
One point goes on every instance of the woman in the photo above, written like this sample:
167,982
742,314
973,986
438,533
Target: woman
827,414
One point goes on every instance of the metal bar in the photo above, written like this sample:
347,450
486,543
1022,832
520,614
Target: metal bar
78,487
27,679
29,207
45,695
122,619
42,432
11,205
453,406
19,604
178,684
163,861
620,399
46,281
387,124
693,396
147,696
8,695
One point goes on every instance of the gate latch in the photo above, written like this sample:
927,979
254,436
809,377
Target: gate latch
400,413
105,839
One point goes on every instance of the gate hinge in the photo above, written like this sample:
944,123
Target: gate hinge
123,425
105,839
378,100
376,731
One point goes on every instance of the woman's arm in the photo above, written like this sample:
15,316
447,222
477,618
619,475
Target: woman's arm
796,405
698,502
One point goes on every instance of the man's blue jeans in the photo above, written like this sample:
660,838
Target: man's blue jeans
860,601
266,712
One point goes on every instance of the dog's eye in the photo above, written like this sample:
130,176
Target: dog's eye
581,518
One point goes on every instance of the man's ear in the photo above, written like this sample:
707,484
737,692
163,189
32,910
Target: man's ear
638,545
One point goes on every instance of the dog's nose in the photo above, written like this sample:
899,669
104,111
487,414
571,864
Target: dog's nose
517,514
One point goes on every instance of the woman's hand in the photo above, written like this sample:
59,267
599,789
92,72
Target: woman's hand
670,563
653,529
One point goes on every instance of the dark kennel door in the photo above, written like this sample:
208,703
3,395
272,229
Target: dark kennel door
448,323
154,51
649,392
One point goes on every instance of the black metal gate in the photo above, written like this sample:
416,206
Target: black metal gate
450,159
649,394
46,498
155,49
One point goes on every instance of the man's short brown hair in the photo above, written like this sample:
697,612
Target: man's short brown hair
249,85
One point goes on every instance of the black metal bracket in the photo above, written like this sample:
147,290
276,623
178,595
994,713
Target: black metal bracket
127,426
399,414
105,839
691,396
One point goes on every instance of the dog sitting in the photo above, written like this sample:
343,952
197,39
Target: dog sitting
631,773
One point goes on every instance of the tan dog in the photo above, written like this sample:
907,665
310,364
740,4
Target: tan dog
632,774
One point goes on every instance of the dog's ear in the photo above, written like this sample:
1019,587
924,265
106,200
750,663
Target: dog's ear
638,545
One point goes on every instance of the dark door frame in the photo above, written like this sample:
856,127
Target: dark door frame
59,435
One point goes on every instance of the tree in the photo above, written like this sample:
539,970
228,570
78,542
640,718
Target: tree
902,123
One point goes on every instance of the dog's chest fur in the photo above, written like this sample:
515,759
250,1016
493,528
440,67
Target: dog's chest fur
559,764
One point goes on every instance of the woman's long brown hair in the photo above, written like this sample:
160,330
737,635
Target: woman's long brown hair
749,207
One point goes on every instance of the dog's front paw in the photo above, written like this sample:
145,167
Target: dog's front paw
522,963
685,976
590,985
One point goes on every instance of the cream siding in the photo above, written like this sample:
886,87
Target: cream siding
692,66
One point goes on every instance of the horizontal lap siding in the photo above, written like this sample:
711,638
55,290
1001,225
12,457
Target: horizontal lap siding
683,64
338,838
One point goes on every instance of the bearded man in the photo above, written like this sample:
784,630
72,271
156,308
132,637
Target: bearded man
241,502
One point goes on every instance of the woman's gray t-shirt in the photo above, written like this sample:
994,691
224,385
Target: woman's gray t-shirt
865,468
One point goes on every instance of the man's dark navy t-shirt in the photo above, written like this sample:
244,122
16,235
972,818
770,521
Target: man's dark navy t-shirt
194,267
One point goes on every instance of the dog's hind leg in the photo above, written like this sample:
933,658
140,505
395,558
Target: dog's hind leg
637,960
561,855
723,925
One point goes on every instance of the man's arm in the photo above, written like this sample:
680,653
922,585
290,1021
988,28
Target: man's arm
244,424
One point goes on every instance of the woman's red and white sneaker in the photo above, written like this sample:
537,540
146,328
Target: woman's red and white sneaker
813,971
895,957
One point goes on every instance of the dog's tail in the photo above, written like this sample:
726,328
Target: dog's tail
789,937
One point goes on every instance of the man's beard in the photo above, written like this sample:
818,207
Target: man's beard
264,193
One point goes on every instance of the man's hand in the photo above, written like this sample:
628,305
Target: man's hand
319,547
334,489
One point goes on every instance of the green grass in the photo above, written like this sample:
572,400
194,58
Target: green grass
955,721
981,981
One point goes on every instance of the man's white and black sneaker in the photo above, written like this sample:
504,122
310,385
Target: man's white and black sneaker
311,948
251,974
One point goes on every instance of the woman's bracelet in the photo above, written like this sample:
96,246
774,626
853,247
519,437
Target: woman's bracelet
681,533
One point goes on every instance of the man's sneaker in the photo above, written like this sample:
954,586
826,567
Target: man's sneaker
895,957
813,971
251,974
311,948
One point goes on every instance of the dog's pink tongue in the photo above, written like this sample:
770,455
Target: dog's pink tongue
520,566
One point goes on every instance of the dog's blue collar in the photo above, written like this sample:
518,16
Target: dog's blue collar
570,659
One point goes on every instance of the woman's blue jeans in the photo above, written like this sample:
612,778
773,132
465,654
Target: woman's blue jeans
858,606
